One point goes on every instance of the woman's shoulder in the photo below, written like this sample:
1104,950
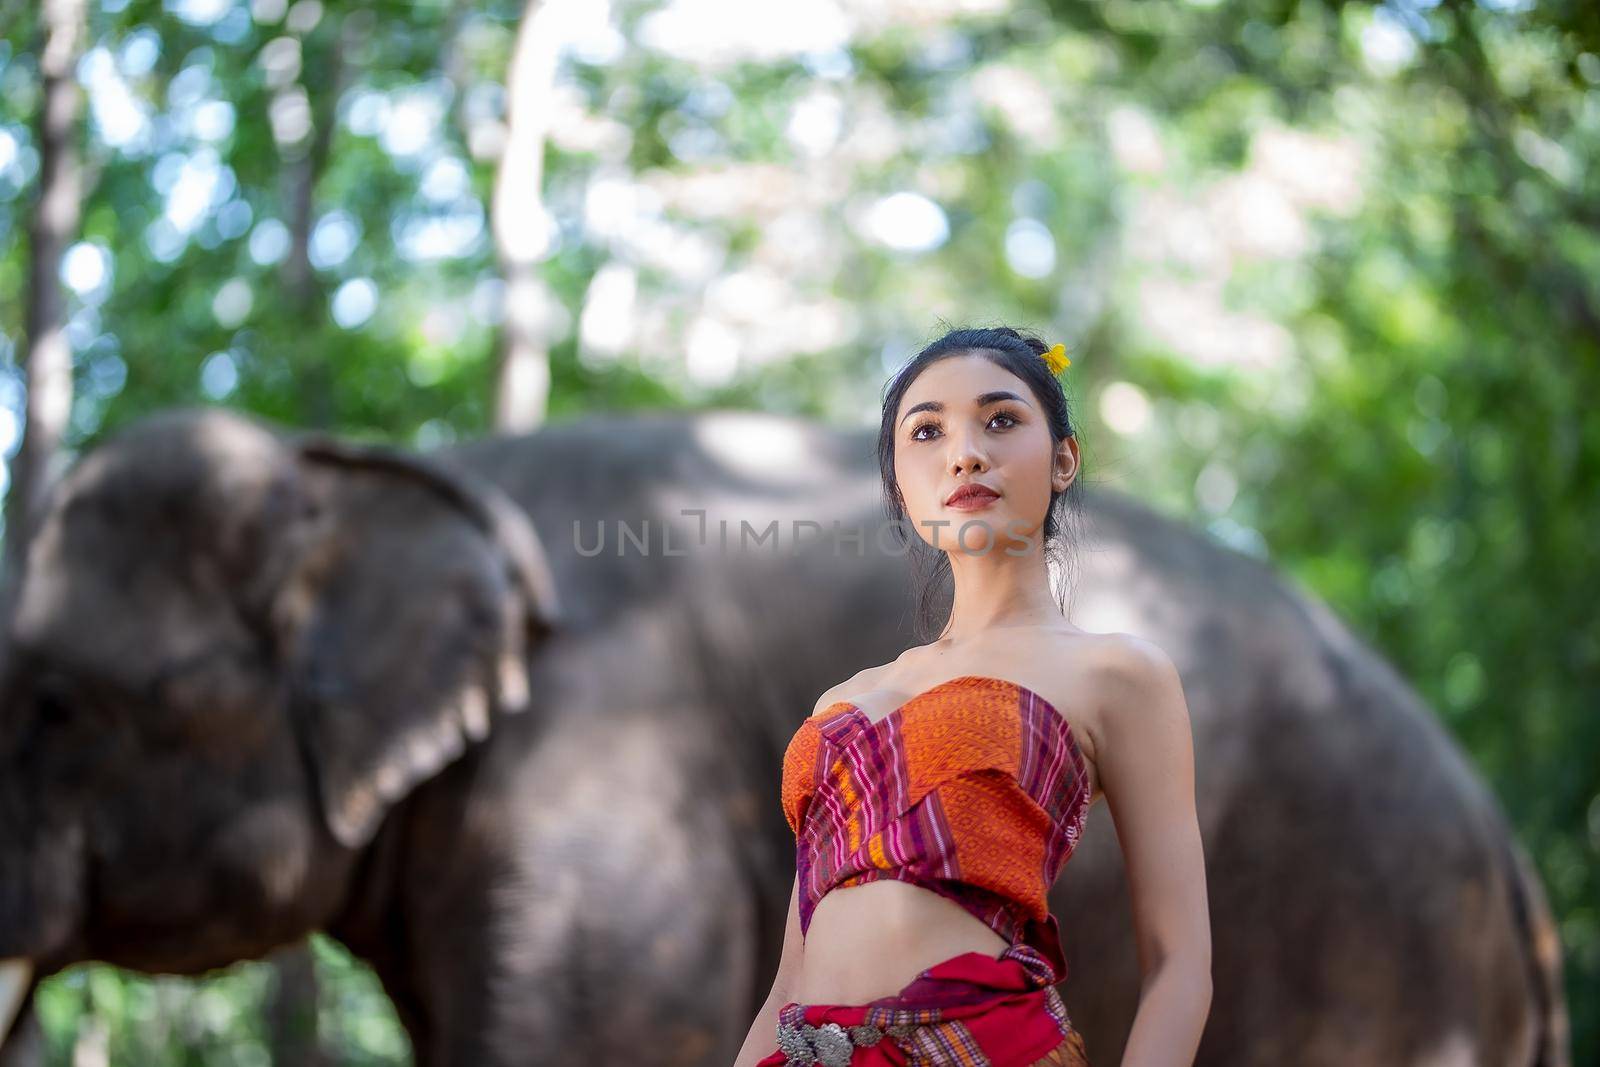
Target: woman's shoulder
1120,660
844,690
1075,653
1098,673
1124,675
863,681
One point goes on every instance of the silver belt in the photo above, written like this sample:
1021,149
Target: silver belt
830,1044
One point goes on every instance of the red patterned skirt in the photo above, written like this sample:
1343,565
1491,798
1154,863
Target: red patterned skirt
971,1010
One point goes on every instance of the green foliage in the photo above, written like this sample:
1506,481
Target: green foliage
217,1019
1380,378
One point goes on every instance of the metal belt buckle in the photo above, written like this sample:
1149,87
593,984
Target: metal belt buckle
830,1044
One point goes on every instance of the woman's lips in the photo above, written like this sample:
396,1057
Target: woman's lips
975,501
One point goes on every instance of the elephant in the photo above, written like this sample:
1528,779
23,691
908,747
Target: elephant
507,718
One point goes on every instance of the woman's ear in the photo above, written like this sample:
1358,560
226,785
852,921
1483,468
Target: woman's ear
1065,467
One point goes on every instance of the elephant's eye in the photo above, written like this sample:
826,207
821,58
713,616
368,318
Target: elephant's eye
46,716
52,698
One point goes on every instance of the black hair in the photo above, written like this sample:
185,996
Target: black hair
1021,354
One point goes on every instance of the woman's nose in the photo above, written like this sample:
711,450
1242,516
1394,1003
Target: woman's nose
966,455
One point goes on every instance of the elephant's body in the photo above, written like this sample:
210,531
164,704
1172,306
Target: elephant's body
602,877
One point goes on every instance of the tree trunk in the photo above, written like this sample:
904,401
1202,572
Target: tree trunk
292,1012
522,378
46,357
304,161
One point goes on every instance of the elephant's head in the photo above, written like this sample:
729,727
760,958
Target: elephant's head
233,651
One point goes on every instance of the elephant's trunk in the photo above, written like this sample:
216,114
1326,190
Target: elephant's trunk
15,976
42,889
43,861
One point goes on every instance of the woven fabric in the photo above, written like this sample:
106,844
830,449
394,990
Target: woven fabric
971,1010
975,789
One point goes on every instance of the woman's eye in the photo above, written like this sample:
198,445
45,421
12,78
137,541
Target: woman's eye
1010,421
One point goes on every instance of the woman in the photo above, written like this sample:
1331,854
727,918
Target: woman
934,799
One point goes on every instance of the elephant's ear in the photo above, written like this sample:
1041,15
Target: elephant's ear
406,603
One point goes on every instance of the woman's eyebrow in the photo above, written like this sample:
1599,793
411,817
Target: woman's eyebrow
984,400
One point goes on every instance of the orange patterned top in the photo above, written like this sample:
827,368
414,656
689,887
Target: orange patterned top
975,789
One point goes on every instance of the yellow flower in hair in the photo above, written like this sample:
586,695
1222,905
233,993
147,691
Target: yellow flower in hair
1057,358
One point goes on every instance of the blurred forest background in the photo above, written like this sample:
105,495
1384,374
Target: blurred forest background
1329,273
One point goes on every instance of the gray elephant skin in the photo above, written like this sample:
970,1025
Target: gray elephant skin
260,683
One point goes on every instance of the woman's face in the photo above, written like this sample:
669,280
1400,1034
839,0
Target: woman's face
964,421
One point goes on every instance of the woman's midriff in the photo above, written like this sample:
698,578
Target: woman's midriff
868,941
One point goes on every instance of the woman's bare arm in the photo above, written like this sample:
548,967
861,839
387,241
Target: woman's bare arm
1146,765
763,1035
